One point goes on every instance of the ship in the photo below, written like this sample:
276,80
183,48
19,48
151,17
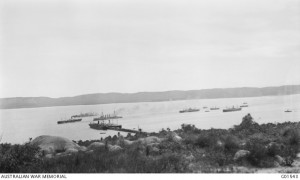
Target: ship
102,125
288,110
214,108
189,110
69,120
84,115
244,105
232,109
107,116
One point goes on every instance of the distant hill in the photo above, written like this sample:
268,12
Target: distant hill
106,98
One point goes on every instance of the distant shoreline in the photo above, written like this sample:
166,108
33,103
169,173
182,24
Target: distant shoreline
111,98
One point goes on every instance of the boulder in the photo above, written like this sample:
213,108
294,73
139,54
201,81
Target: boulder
113,148
241,154
56,144
190,157
279,160
124,142
95,146
155,150
127,142
89,151
71,151
49,156
174,137
149,140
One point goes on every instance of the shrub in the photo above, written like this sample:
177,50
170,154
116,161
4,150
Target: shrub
203,141
15,158
293,136
259,154
231,144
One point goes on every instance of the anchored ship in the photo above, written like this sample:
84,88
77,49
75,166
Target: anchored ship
189,110
102,125
84,115
107,117
214,108
244,105
232,109
69,120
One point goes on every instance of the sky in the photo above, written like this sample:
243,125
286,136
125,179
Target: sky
69,47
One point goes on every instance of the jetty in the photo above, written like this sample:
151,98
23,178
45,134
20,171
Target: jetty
105,122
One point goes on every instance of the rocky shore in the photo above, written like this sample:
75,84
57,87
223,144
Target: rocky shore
244,148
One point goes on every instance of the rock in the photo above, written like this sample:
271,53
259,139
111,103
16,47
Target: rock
89,151
190,157
155,150
241,154
82,148
127,142
113,148
124,142
174,137
55,144
279,160
276,164
95,146
149,140
49,156
71,151
219,143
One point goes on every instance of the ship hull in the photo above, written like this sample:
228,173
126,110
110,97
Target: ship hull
105,126
188,111
68,121
231,110
107,118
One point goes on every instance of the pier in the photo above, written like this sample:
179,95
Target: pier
127,130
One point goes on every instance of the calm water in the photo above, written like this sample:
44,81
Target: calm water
18,125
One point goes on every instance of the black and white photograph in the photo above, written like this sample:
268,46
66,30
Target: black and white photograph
101,87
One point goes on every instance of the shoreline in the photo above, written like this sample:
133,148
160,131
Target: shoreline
248,147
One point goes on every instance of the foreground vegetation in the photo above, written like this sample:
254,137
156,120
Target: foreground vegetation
206,151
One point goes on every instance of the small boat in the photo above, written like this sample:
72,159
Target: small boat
189,110
207,111
232,109
69,120
288,110
204,107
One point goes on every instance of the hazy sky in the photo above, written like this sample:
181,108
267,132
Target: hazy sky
66,48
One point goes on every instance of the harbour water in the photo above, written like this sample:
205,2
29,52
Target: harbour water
18,125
